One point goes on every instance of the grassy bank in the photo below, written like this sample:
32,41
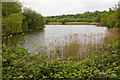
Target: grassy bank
72,23
103,64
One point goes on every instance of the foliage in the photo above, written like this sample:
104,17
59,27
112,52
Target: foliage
109,18
104,19
33,19
19,64
15,21
11,18
10,8
86,17
12,24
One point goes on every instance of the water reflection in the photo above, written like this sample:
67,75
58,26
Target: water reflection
55,35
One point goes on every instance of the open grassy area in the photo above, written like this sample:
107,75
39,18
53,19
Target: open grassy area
103,64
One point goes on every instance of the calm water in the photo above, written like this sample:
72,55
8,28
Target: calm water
55,35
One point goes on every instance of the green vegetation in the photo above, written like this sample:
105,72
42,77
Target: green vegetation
11,18
33,19
103,64
15,21
86,17
109,18
17,63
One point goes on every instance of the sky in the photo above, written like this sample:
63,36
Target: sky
60,7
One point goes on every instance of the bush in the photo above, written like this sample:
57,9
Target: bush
19,64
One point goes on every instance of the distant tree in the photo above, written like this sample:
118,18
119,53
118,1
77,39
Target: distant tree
98,18
109,18
114,8
110,11
104,19
119,4
116,16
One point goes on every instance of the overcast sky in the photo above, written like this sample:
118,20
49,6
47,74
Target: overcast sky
60,7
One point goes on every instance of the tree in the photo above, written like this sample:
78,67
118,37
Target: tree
10,8
11,17
116,16
33,19
119,4
12,24
104,19
98,18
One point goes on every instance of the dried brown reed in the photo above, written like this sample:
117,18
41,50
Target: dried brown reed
82,45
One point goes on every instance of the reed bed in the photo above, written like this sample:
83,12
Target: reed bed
80,46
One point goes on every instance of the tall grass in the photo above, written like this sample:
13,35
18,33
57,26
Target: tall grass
81,45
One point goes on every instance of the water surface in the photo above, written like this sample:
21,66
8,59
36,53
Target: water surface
55,35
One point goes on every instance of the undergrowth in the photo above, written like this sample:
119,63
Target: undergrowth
103,64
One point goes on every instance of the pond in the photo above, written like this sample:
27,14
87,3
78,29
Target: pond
55,36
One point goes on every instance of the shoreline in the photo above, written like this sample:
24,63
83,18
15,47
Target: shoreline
72,23
23,32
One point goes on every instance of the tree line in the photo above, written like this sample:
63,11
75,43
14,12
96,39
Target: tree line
86,17
16,19
109,18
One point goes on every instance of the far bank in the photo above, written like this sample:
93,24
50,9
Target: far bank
73,23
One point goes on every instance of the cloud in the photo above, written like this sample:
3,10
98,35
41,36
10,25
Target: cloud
59,7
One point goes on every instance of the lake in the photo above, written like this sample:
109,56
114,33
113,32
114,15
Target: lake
55,36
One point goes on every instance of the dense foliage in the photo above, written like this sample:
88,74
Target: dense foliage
10,8
109,18
33,19
86,17
103,64
11,18
14,20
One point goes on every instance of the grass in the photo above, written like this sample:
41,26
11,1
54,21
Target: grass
103,64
